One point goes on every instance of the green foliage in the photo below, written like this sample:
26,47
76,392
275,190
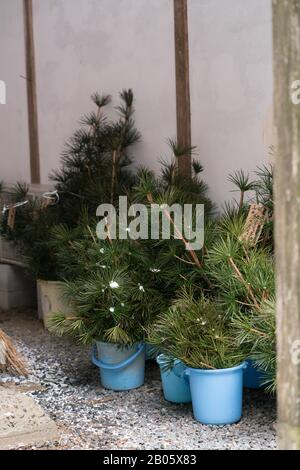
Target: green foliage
262,187
242,181
197,333
177,265
110,288
95,164
31,230
164,265
95,169
257,332
243,184
241,276
170,182
19,192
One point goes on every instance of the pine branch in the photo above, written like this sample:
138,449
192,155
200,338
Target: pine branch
179,234
240,276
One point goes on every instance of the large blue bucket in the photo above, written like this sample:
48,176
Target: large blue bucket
253,377
217,395
176,388
121,368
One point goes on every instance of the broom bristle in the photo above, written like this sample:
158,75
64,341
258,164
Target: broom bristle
10,358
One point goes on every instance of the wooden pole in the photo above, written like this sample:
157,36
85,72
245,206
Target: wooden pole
286,42
183,109
31,92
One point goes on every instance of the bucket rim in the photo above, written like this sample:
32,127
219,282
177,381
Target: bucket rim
48,281
161,357
226,370
119,345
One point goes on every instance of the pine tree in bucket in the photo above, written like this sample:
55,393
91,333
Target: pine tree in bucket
173,258
240,266
111,289
112,301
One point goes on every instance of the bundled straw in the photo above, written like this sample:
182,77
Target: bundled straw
256,219
10,359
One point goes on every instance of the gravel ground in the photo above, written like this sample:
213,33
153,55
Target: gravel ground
64,382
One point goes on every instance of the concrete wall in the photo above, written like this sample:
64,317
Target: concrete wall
231,86
14,144
106,45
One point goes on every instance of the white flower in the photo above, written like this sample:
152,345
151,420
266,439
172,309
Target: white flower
102,250
113,285
198,319
203,323
141,287
112,309
154,270
217,337
122,304
103,266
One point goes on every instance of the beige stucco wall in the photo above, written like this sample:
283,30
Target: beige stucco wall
231,86
14,145
107,45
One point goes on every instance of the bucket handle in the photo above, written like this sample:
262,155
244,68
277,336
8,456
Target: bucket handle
184,374
119,365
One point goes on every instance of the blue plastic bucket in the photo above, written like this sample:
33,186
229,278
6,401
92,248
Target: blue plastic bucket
176,388
121,368
253,377
217,395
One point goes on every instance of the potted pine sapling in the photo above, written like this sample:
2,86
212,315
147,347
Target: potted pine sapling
257,332
243,277
174,259
197,334
95,169
113,304
240,266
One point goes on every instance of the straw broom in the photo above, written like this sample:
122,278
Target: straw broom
10,359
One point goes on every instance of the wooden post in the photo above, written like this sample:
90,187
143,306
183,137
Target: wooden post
31,93
183,109
286,42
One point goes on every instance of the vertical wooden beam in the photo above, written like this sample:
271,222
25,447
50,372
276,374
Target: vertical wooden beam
183,108
31,92
286,47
